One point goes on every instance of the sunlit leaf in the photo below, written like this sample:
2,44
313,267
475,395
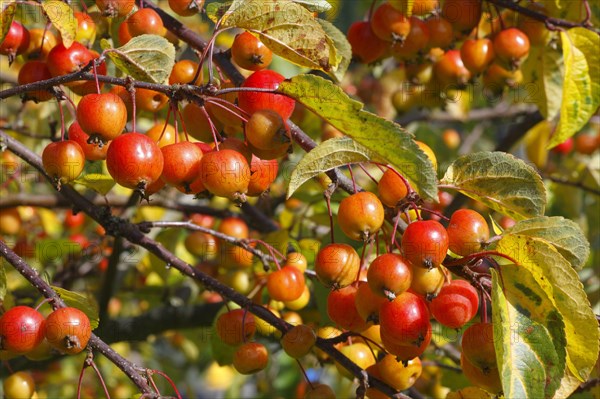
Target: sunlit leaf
6,18
343,48
528,327
100,183
386,139
535,141
525,352
62,17
499,180
149,58
581,88
81,302
560,281
328,155
565,235
288,29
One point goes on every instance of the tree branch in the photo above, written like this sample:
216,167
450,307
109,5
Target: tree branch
549,21
95,343
244,244
566,182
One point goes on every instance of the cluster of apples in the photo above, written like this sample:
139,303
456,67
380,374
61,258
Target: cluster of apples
445,49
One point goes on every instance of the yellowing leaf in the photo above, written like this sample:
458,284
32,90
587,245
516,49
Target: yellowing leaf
343,48
527,300
288,29
535,143
384,138
81,302
543,72
6,18
581,89
561,282
499,180
525,352
147,57
564,234
328,155
100,183
61,16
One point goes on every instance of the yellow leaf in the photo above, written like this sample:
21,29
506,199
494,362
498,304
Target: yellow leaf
61,16
536,140
560,281
581,88
6,18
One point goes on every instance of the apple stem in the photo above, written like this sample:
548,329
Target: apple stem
438,214
169,380
371,9
149,373
352,178
304,374
94,68
164,126
484,316
328,201
46,300
360,165
244,325
187,138
131,90
219,102
62,121
395,227
362,260
213,129
173,108
93,364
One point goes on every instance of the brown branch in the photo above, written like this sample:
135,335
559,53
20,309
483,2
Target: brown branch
121,228
567,182
549,21
95,343
244,244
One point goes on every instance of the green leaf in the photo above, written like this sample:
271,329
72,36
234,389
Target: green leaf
288,29
62,17
149,58
561,283
528,363
100,183
2,281
581,88
328,155
342,46
81,302
386,139
564,234
6,18
499,180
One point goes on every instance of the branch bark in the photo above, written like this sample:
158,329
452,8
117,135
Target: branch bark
95,343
